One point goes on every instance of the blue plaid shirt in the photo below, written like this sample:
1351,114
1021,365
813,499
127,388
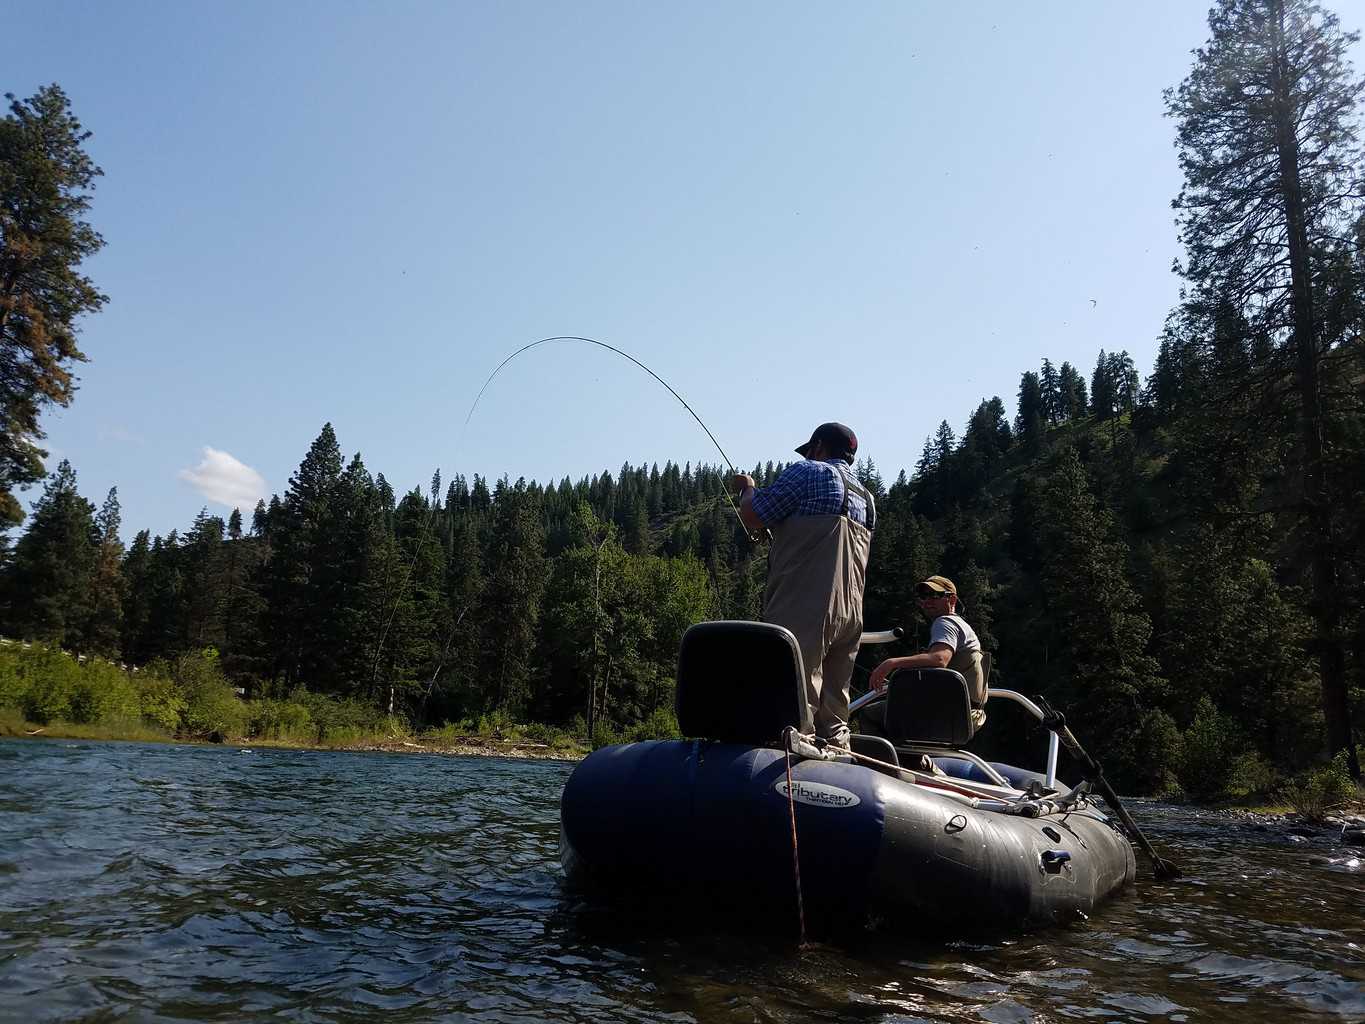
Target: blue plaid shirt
809,488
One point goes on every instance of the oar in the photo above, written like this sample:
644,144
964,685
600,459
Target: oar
1056,721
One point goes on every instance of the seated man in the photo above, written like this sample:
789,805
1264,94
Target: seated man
952,644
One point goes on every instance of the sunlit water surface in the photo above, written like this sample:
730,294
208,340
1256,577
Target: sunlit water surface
169,883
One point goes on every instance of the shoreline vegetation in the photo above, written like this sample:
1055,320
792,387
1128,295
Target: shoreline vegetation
46,692
14,726
464,744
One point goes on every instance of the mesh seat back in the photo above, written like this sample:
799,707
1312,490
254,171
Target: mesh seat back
929,705
741,682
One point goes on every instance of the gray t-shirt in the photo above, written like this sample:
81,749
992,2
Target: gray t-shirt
953,631
966,657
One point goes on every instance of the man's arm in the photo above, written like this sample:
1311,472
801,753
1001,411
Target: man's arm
745,484
775,502
937,656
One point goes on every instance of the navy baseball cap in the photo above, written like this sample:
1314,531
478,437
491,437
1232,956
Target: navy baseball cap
838,440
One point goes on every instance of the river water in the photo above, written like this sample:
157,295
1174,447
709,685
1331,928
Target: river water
179,883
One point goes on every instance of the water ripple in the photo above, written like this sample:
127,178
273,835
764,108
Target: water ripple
167,883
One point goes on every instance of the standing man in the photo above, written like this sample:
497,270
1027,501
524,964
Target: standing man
821,519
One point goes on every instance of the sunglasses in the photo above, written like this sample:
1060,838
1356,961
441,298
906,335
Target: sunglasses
929,595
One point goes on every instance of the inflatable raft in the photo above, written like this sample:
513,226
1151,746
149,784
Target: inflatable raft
907,830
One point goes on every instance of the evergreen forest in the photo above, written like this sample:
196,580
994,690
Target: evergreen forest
1173,554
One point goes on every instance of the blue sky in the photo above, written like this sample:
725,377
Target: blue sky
880,213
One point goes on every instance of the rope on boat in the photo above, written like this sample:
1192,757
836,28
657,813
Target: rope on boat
957,788
796,854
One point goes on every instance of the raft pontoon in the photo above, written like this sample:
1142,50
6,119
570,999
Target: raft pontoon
911,830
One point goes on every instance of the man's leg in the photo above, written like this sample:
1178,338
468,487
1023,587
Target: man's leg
831,715
815,685
810,638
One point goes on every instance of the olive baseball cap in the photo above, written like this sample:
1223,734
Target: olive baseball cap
940,585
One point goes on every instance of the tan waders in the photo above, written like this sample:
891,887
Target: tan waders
817,567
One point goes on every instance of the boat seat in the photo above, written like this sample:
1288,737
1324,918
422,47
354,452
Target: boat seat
741,682
876,747
928,706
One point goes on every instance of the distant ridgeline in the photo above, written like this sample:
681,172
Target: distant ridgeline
1131,552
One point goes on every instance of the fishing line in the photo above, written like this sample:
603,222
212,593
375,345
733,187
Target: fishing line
459,443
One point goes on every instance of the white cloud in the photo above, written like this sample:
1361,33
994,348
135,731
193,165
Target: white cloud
222,479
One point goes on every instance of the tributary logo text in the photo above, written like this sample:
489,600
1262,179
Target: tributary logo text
818,794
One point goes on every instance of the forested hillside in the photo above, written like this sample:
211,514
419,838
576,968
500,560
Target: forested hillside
1133,552
1175,557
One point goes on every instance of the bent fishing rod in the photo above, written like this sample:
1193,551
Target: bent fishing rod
431,511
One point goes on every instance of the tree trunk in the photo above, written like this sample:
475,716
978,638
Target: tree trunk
1326,605
606,684
596,621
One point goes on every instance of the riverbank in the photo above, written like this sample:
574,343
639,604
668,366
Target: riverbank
463,746
1344,826
456,744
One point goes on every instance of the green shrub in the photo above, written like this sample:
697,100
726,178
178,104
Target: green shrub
1208,748
604,736
551,736
13,722
662,724
280,720
211,704
1158,770
1251,773
448,734
344,720
160,700
50,679
1318,791
103,693
213,709
11,681
498,724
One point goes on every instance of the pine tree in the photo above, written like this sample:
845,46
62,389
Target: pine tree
454,690
417,613
1050,388
1029,423
1272,164
302,591
243,604
1103,388
933,485
45,182
204,595
866,472
137,596
1096,661
1123,378
104,629
1073,393
514,581
47,584
164,631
